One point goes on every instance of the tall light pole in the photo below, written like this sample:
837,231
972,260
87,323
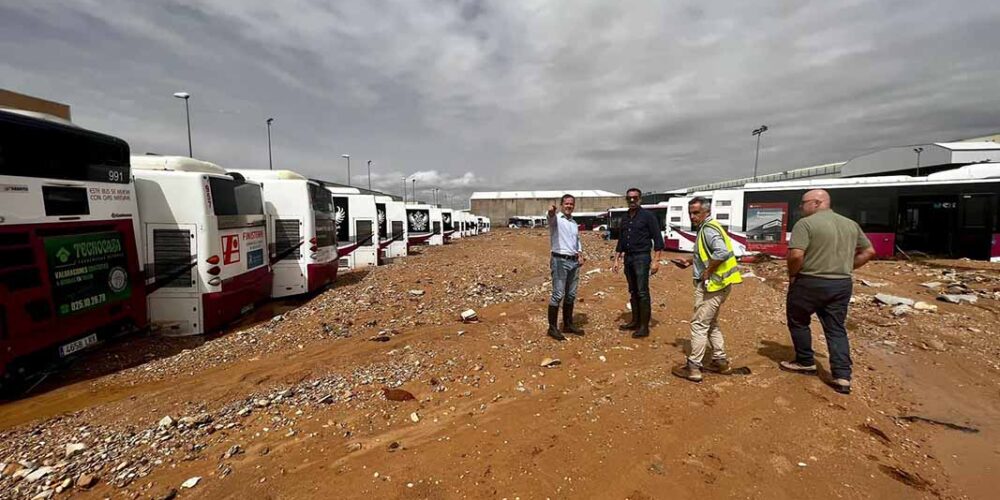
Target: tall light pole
413,188
348,167
918,151
758,132
369,175
270,162
404,190
187,111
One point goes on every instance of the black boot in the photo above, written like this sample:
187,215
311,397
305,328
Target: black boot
553,323
644,312
568,326
634,324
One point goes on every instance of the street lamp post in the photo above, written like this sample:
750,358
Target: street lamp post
369,175
348,167
404,190
270,162
758,132
187,112
413,188
918,151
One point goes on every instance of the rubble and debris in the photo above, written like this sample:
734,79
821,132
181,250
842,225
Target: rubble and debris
550,362
892,300
957,298
469,316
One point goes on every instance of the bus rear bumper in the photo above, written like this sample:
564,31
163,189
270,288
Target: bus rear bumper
239,295
321,275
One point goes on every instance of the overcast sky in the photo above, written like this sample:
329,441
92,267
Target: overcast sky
471,95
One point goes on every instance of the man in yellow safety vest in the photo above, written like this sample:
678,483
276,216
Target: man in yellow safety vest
714,271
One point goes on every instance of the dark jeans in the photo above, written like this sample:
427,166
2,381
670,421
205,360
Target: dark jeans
828,299
637,275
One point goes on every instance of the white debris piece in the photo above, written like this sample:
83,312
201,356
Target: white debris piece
892,300
191,483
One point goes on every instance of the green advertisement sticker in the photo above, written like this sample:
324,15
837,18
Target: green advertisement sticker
87,271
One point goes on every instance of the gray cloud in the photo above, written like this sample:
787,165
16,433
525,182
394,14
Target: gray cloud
475,95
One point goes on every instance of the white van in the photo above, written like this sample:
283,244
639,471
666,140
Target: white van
437,229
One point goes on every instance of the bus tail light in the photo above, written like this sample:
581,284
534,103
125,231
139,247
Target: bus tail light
313,248
214,270
213,260
313,240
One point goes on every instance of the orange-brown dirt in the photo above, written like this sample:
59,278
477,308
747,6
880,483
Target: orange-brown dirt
302,395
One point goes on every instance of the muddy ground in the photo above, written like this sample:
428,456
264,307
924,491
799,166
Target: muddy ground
293,402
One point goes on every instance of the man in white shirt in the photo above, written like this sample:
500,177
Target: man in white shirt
565,263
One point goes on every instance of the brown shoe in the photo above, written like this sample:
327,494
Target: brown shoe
720,366
687,371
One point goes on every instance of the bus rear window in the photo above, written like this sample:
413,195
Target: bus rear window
30,147
322,201
230,197
65,200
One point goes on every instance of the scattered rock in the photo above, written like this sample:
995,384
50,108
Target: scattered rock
932,284
592,271
892,300
166,421
873,284
86,481
469,315
38,474
414,417
353,447
393,446
550,362
901,310
191,483
935,344
74,449
958,298
397,394
417,293
923,306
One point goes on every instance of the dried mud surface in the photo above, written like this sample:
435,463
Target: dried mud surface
310,398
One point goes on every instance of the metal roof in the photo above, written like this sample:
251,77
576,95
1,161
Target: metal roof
525,195
968,146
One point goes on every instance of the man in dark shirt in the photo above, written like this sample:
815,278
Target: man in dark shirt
640,233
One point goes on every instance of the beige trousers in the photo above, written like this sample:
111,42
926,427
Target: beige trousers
705,324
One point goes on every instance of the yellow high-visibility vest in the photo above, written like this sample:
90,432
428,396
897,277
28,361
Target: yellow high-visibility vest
726,274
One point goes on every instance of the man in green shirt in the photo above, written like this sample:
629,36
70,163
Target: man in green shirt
824,250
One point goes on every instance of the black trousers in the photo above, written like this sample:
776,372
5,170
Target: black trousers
828,299
637,275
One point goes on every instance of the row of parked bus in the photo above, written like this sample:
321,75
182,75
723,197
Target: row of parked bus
951,213
95,242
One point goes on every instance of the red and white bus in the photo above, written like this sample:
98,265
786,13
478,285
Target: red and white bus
953,213
70,272
302,231
205,245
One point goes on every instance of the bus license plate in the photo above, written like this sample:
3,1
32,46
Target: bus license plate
77,345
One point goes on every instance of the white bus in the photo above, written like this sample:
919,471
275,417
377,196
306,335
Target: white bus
391,228
301,230
418,224
357,226
437,229
727,208
70,272
448,225
205,242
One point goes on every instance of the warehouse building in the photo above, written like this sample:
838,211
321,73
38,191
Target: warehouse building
500,206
